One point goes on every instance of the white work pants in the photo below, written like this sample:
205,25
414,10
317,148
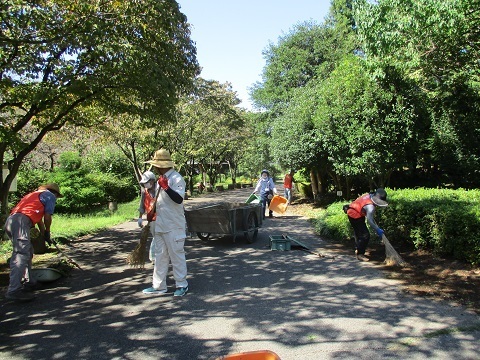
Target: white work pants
168,248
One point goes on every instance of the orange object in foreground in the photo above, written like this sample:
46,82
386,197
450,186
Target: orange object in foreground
278,204
252,355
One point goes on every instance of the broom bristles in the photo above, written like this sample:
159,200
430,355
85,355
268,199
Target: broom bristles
137,257
392,257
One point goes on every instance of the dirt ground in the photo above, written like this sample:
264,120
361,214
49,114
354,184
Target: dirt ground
426,275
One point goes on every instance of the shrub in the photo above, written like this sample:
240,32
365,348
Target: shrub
108,160
70,161
28,180
333,223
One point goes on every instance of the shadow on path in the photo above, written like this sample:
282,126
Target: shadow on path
242,297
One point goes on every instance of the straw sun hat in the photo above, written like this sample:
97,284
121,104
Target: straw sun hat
161,159
52,187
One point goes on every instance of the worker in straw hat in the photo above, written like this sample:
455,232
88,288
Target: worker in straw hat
357,211
33,209
170,227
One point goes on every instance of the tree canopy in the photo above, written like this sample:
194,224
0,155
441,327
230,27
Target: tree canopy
79,61
379,87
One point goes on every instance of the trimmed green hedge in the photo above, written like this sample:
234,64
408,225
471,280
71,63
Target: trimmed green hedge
442,220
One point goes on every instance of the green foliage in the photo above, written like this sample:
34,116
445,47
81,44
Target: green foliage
365,129
442,220
210,112
435,44
305,189
70,161
294,139
28,180
84,190
108,160
333,223
116,188
291,64
81,62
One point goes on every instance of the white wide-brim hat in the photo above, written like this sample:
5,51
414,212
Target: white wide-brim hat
147,176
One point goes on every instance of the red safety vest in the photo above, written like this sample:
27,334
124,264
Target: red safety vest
31,206
355,209
149,203
287,181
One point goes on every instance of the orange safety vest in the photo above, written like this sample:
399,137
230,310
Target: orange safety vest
287,181
148,204
355,209
31,206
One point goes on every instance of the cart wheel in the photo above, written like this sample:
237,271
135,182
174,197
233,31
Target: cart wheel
252,228
203,236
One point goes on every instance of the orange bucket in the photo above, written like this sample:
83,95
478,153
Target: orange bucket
278,204
252,355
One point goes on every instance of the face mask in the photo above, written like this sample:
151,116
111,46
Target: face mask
147,185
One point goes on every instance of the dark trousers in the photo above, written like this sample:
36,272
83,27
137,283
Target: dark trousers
265,204
362,235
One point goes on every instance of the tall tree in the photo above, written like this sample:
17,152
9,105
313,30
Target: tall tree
365,129
76,61
290,64
208,128
436,44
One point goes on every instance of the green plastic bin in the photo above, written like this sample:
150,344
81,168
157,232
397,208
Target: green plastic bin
280,242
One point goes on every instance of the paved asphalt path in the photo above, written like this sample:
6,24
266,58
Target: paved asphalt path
242,297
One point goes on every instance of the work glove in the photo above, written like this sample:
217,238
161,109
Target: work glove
380,233
163,182
46,236
140,222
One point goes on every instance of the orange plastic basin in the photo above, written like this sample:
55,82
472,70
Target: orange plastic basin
278,204
252,355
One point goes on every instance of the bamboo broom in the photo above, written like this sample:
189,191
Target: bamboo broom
392,257
137,257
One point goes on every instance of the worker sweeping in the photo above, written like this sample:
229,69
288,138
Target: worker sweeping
33,209
357,211
170,227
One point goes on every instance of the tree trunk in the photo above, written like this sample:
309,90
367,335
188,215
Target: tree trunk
314,184
321,183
